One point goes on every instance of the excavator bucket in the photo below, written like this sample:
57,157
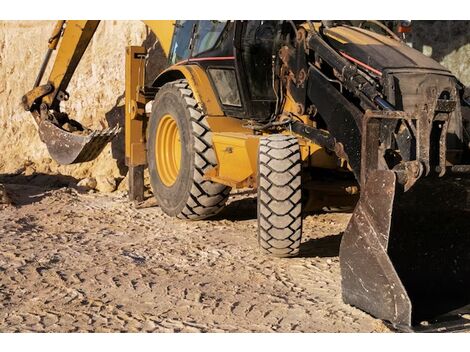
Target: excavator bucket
405,254
78,146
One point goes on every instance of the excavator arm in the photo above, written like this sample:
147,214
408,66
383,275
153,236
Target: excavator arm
69,142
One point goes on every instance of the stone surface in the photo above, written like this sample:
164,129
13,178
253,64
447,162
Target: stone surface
87,183
105,184
447,42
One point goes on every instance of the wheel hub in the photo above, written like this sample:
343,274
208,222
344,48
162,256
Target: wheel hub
168,150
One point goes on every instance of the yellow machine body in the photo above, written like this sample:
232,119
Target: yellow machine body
235,145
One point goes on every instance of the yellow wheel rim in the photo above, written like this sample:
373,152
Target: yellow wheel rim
168,150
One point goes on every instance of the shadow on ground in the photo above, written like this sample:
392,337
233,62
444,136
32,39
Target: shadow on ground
27,189
238,210
324,247
245,209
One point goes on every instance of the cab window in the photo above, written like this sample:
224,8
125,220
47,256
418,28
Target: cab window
207,35
180,47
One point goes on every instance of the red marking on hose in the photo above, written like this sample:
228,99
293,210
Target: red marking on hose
361,63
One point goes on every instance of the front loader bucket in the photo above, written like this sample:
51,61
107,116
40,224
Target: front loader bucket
405,256
74,147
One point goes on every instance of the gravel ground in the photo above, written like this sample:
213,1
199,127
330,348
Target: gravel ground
73,261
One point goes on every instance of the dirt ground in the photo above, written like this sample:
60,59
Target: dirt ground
73,261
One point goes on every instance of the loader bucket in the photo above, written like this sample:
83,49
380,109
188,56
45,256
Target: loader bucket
405,256
74,147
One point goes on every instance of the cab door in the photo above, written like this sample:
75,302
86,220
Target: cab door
255,49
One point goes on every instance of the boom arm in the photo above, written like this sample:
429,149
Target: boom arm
67,140
75,39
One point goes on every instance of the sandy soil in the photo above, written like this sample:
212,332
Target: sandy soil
72,261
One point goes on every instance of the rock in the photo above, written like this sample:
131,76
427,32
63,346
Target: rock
4,197
105,184
87,183
124,183
29,168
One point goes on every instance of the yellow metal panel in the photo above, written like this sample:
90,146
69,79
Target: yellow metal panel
358,36
135,106
237,158
201,87
163,31
315,156
227,124
237,155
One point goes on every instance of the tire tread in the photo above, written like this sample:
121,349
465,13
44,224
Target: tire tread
279,196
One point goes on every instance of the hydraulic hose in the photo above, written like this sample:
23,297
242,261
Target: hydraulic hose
350,77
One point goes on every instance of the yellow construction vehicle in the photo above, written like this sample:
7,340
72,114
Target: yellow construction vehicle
308,113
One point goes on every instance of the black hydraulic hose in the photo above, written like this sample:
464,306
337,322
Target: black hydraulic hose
351,79
319,137
43,67
385,105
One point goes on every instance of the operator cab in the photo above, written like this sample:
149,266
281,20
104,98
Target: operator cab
238,57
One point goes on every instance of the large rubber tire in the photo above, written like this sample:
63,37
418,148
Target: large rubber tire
190,196
279,196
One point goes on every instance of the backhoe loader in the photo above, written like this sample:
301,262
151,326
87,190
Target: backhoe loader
310,114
